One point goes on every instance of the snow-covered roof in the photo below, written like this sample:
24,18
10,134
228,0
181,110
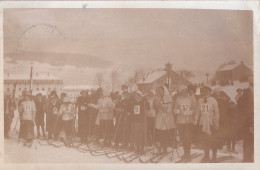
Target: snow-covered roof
79,87
27,77
231,67
152,77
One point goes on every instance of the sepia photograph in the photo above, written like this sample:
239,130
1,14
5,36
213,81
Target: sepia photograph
128,85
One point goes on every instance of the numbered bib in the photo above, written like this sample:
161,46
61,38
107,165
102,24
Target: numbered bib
28,108
136,109
186,108
82,108
204,108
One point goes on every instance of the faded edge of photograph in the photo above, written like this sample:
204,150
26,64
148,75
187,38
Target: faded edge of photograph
128,86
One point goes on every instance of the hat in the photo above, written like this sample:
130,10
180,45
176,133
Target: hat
53,92
216,91
83,91
124,87
66,100
205,87
239,89
181,88
53,96
139,93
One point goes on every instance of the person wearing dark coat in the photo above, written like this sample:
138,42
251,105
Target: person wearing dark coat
83,116
9,108
52,119
127,103
245,121
138,117
39,119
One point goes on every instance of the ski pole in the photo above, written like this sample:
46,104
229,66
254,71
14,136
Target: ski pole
16,122
144,126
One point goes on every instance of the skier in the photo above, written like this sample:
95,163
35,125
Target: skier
28,111
39,120
94,96
9,108
67,112
52,118
207,117
21,131
164,120
127,103
150,115
123,120
83,116
137,132
104,119
245,123
185,110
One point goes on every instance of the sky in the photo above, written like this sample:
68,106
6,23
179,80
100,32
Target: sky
75,44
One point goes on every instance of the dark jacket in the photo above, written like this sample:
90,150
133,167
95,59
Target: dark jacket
245,112
82,104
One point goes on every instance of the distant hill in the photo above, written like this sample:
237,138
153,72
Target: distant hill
61,59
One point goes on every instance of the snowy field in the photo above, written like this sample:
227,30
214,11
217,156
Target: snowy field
44,153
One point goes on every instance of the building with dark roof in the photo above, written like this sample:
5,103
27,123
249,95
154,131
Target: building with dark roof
234,72
162,77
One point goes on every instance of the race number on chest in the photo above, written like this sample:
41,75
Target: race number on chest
137,109
82,107
186,108
28,107
204,108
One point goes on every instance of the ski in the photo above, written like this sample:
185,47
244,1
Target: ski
224,158
145,161
130,158
124,153
192,156
108,154
159,157
134,156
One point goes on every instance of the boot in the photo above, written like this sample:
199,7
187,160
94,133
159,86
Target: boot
206,157
214,156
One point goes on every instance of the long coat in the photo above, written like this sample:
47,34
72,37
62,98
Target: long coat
164,119
245,110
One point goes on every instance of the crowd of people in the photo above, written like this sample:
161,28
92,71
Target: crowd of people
135,120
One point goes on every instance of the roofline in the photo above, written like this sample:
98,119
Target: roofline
152,81
166,74
235,68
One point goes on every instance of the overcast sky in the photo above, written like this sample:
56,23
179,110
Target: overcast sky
126,39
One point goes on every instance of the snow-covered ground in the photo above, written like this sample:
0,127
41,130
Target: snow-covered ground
44,153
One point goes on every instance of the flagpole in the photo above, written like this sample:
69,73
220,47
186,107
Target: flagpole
31,80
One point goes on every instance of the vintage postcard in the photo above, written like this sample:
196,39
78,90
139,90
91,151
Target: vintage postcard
166,84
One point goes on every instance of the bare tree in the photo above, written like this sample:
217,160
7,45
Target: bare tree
99,78
114,78
186,74
207,77
138,75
